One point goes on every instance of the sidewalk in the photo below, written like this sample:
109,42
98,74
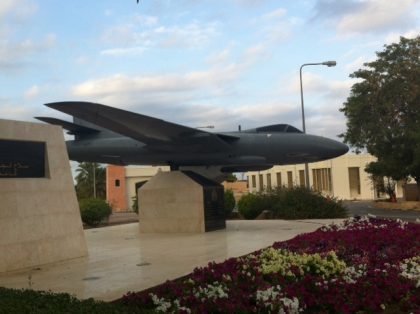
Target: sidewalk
121,259
122,218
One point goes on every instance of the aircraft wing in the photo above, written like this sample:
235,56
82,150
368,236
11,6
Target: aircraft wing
149,130
73,128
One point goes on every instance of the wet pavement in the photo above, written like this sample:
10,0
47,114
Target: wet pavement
122,259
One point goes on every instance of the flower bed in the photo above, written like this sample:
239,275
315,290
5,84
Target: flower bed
365,264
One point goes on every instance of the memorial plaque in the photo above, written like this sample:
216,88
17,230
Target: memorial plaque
22,159
214,204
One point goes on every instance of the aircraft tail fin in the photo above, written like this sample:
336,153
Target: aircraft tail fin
79,128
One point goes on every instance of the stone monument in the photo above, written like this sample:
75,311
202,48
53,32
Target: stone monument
181,201
39,215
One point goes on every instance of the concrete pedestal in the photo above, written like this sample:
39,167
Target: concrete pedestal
39,217
180,201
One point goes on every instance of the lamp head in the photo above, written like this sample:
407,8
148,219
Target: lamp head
330,63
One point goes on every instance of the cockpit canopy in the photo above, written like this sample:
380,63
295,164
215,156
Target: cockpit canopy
275,128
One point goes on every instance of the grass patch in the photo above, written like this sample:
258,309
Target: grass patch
14,301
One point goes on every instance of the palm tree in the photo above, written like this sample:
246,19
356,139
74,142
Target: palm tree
90,180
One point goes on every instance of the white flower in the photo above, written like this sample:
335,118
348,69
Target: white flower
410,269
351,273
291,305
272,298
161,304
211,292
361,223
165,306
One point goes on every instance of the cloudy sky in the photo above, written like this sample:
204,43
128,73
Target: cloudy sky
194,62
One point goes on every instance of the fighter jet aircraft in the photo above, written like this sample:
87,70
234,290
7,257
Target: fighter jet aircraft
109,135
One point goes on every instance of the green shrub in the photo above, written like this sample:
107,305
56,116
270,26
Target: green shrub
250,206
293,203
301,203
14,301
135,204
229,202
94,211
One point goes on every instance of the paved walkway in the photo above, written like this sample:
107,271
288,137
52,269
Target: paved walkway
362,208
121,259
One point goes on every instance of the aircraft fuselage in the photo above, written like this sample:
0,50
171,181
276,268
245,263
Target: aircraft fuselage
251,149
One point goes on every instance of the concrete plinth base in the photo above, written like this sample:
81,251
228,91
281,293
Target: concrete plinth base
180,201
39,217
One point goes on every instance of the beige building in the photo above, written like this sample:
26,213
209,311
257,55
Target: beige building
343,177
123,182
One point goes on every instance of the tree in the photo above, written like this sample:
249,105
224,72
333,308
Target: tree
85,178
383,111
231,178
230,202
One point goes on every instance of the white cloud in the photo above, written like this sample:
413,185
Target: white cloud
118,52
219,57
314,83
255,52
378,15
14,112
17,9
145,20
12,14
192,35
82,60
141,32
31,93
364,16
173,88
327,125
276,25
250,3
16,54
358,63
275,14
395,37
156,85
6,6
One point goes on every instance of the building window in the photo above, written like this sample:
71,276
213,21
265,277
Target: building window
278,179
354,181
254,181
261,182
302,178
289,179
268,180
117,183
322,180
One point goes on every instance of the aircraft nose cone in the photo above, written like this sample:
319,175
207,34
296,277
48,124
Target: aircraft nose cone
343,149
335,148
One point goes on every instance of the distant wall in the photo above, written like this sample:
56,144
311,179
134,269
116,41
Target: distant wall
334,178
116,188
39,217
411,192
238,188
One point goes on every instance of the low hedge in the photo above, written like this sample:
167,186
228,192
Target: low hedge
229,202
293,203
14,301
94,210
251,205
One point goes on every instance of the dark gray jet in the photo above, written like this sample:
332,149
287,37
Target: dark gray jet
109,135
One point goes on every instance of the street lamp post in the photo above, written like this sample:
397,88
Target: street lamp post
328,64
